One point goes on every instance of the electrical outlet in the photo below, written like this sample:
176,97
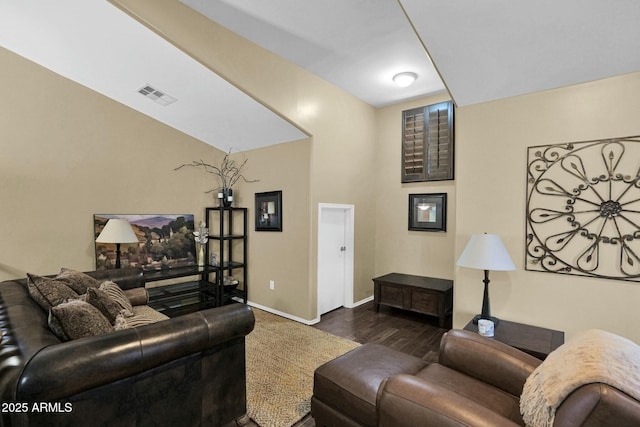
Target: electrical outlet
272,285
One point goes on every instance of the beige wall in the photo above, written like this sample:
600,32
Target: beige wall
492,140
280,256
341,165
398,249
68,153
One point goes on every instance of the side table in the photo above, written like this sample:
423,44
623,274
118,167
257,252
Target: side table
536,341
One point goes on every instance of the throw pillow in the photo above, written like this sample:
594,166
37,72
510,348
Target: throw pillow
117,295
123,322
75,319
103,302
77,280
48,292
137,296
149,312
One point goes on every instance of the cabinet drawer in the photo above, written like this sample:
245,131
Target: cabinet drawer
424,302
392,296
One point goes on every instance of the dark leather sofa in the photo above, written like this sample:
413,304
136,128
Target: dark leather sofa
185,371
477,382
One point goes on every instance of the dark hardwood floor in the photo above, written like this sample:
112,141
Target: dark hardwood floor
405,331
408,332
411,333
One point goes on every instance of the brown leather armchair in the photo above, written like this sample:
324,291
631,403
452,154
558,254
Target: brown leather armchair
476,382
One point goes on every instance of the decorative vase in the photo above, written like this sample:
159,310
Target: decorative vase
227,197
201,256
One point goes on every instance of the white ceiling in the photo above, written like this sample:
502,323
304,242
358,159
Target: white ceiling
97,45
358,45
484,50
493,49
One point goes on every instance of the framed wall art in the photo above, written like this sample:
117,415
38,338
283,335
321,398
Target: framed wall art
583,208
164,241
428,212
269,211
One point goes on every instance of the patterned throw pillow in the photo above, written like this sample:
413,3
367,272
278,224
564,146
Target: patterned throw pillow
117,295
77,319
48,292
77,280
103,302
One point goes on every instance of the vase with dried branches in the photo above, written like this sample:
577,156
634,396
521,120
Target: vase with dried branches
227,174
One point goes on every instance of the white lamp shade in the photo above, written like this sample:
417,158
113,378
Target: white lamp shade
117,231
486,252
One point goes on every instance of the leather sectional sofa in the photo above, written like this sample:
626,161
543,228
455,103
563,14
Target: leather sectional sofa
184,371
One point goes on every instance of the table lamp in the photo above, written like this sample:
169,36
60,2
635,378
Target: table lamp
117,231
486,252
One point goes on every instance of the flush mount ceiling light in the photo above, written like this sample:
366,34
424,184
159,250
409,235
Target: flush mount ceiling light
405,79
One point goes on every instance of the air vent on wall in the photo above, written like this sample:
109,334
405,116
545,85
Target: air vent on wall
157,95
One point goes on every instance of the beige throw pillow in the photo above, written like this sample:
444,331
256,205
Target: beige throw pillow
123,322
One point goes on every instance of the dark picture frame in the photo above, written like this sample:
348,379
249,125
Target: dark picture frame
269,211
428,212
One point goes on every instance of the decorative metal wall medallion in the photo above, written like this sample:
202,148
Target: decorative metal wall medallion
583,208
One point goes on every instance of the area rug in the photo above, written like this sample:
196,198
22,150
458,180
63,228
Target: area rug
281,357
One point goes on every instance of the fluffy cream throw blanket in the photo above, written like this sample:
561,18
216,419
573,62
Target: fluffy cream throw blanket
592,356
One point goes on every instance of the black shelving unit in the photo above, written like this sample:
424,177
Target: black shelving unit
228,237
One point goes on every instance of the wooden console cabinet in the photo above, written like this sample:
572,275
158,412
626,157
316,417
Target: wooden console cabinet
426,295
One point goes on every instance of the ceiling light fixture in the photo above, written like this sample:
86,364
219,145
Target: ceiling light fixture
405,79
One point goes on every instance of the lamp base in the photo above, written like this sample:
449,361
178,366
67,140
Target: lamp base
477,317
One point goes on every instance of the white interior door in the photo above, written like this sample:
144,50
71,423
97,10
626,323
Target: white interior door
335,256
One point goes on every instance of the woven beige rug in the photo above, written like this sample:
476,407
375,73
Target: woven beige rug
281,357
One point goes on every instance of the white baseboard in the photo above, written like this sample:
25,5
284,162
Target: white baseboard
283,314
358,303
300,319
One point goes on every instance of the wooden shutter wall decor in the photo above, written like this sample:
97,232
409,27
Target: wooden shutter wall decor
427,143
